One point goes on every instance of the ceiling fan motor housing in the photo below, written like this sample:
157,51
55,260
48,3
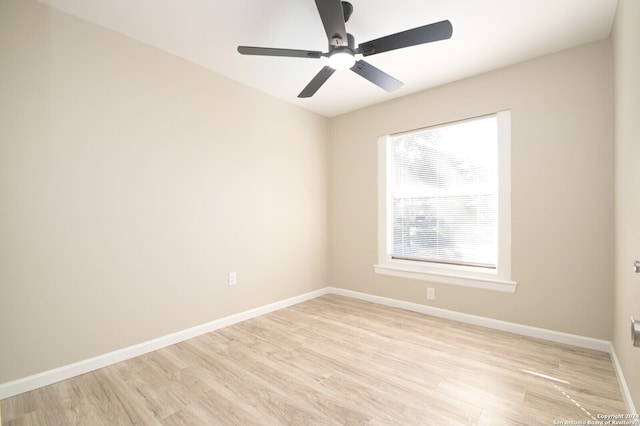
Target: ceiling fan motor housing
349,47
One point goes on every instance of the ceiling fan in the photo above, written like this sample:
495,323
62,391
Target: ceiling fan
334,14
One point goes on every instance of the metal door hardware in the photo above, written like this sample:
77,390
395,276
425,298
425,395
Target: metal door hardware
635,332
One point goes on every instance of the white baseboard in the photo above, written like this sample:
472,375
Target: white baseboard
45,378
525,330
624,388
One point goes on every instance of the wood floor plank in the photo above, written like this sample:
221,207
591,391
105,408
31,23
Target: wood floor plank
333,361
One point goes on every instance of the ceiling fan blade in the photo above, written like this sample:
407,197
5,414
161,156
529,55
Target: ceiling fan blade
376,76
426,34
269,51
332,18
316,82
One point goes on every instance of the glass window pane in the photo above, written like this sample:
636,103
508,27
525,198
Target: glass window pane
444,191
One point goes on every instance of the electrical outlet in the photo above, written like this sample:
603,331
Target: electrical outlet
431,293
233,278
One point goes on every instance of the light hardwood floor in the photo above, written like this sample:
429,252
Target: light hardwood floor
334,361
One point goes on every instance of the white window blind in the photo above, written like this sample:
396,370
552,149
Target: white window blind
444,194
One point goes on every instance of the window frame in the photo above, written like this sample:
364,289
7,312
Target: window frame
498,279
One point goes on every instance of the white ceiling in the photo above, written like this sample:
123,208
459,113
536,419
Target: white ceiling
487,34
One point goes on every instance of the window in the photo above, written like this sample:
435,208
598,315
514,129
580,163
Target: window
444,212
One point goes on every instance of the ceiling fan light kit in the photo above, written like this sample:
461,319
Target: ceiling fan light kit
334,14
341,60
342,57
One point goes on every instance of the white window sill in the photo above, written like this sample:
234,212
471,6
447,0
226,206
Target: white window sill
402,270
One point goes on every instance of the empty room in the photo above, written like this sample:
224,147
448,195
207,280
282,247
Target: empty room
280,212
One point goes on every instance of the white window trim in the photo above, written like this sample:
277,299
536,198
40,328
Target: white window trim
498,279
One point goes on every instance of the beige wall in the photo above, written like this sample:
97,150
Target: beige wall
626,54
562,174
131,183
